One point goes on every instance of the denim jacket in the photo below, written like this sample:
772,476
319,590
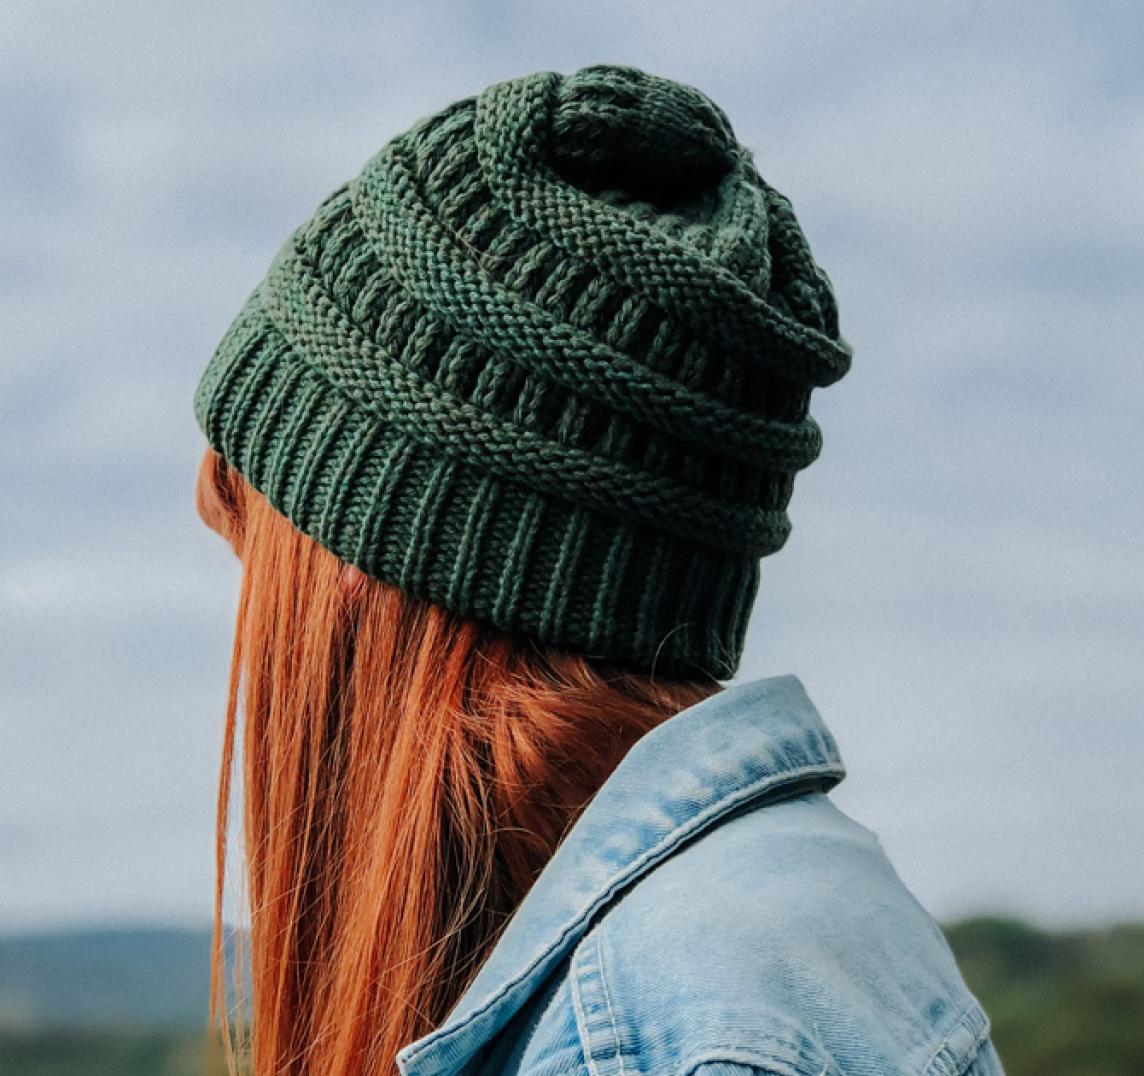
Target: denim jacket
713,913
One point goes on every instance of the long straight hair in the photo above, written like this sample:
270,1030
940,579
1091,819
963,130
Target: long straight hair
406,774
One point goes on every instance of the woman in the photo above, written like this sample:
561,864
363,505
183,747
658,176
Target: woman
500,441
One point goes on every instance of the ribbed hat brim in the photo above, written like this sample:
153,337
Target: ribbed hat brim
447,530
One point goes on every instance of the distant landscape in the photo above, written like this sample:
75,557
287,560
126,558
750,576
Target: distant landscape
127,1002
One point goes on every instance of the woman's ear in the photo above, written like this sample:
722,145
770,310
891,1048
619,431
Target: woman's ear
353,581
214,499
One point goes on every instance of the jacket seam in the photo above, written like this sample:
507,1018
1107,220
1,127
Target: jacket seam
581,1024
953,1058
651,855
795,1061
608,1001
596,1021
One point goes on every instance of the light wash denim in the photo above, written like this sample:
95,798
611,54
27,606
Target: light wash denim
713,913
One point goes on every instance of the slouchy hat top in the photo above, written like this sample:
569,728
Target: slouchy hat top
546,361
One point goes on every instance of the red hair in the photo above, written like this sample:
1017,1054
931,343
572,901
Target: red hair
406,774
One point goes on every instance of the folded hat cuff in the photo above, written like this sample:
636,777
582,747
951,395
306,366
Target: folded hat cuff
444,529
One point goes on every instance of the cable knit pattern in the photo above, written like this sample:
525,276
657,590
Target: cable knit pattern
546,361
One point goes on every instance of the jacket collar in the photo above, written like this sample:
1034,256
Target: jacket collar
745,741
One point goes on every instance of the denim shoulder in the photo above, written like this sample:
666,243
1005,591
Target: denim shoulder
780,941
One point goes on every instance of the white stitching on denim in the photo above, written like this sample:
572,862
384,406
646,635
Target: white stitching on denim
648,857
751,1060
581,1019
767,1053
944,1062
608,1001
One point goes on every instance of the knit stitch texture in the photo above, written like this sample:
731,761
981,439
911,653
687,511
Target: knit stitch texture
546,361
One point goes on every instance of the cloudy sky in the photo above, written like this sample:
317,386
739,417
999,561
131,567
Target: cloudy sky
963,591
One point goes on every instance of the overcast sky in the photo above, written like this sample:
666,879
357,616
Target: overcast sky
963,590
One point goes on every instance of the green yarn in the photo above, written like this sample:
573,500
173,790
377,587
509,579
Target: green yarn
546,361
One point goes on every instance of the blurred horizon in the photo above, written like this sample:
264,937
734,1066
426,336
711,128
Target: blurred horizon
1058,1003
963,590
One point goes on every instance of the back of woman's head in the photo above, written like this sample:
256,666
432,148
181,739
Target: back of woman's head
406,774
500,439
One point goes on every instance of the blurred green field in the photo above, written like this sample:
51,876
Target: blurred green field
1061,1004
72,1052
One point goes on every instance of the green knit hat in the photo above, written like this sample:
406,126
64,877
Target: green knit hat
547,362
